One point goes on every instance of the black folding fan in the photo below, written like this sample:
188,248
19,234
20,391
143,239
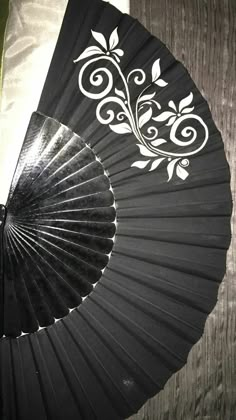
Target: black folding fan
116,228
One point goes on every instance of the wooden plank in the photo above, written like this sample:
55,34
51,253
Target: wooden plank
202,34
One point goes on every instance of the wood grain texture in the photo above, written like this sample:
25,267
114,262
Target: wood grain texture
202,35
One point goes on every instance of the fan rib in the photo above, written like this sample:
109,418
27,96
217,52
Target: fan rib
63,281
150,310
79,342
50,289
70,375
122,318
117,344
143,279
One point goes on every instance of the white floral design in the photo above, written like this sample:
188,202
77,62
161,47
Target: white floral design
140,121
109,50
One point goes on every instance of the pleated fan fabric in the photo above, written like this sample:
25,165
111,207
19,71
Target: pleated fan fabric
116,228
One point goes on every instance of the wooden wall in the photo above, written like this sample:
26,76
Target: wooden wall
202,34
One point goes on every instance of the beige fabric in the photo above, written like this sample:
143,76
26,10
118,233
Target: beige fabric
31,34
123,5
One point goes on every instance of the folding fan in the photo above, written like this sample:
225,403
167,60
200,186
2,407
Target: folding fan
116,228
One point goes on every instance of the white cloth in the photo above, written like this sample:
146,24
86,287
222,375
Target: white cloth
31,34
123,5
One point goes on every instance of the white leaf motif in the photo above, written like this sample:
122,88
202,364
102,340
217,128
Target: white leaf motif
114,39
100,39
145,152
93,50
158,142
156,70
147,97
119,52
171,120
185,102
120,93
117,58
156,163
121,128
164,116
161,83
141,164
145,117
157,104
187,110
172,105
171,167
181,172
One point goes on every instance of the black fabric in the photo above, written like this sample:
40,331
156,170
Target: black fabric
118,348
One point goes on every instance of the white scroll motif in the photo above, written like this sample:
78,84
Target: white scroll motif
124,115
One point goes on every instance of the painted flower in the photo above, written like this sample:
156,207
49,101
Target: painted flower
182,109
140,122
106,48
156,72
178,165
155,159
